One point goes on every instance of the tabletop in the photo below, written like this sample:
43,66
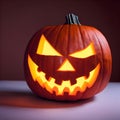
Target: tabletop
17,102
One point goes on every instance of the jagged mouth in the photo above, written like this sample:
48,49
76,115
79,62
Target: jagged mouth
82,83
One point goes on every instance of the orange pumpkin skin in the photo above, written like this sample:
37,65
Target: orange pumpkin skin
67,39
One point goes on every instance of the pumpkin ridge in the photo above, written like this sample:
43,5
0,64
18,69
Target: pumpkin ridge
102,62
56,42
81,34
103,56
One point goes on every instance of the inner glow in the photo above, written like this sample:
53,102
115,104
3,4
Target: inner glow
88,51
66,66
50,85
45,48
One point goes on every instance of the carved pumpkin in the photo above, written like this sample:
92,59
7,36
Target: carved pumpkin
67,62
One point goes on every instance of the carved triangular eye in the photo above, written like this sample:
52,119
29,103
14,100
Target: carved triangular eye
88,51
45,48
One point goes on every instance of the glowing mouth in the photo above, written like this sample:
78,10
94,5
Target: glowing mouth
50,85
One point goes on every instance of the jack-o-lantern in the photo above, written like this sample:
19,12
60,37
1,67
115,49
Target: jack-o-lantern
67,62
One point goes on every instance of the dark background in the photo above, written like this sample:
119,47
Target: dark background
20,19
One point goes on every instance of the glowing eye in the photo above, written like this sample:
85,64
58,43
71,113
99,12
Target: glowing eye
88,51
45,48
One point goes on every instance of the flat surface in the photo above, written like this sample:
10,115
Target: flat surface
18,103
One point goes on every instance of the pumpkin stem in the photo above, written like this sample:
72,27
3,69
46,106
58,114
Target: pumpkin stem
72,19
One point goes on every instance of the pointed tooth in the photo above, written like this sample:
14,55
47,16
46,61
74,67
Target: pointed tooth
73,81
39,69
76,89
66,93
47,77
55,90
86,76
54,93
58,81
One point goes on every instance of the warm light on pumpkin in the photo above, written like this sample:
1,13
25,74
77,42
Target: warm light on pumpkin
67,62
88,51
51,86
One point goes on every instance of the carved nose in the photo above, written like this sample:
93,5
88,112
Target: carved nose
66,66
